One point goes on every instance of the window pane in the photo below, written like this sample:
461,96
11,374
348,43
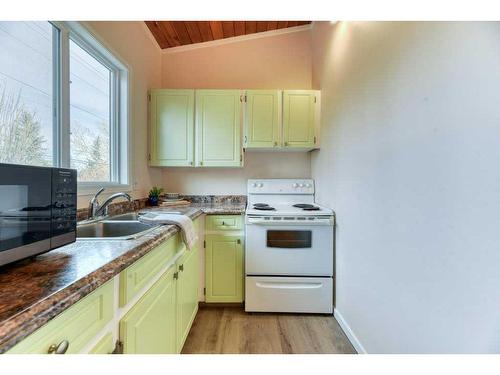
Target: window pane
90,94
26,92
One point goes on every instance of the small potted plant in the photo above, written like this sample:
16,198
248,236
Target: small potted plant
154,195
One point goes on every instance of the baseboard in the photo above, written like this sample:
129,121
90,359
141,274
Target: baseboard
349,333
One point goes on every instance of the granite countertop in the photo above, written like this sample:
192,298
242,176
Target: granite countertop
34,291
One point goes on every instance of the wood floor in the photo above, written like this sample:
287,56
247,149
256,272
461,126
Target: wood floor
231,330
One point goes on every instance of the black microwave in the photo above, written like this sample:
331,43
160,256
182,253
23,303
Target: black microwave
37,210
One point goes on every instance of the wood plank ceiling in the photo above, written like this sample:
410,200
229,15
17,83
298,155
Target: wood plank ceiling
180,33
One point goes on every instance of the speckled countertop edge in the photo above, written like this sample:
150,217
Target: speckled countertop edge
22,324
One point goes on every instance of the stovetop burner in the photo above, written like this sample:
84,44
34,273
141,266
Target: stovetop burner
264,208
307,206
255,205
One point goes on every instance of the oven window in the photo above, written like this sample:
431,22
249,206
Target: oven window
289,239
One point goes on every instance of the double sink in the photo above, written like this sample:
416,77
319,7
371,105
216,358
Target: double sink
119,227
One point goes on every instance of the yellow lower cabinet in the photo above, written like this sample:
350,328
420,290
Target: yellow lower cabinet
73,329
134,278
104,346
187,294
224,268
150,325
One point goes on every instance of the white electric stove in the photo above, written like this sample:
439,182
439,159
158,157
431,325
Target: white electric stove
288,248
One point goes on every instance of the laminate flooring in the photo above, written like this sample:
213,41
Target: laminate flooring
227,330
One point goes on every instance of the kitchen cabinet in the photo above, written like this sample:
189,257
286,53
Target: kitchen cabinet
75,327
299,115
218,128
223,261
171,127
202,128
134,278
187,294
104,346
281,120
150,326
262,119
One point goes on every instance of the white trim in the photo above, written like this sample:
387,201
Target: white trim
235,39
349,332
120,151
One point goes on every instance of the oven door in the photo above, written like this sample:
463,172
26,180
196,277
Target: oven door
25,211
298,249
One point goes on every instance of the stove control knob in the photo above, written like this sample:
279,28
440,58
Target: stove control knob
261,184
301,185
295,185
254,185
308,185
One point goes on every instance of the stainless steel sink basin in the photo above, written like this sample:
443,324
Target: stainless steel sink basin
131,216
112,230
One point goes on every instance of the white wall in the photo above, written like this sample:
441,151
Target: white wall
133,44
410,163
224,181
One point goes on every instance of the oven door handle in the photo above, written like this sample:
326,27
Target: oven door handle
316,222
284,285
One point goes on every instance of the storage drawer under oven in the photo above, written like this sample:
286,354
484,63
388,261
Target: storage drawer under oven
289,294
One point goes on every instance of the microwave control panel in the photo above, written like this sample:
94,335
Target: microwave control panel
63,201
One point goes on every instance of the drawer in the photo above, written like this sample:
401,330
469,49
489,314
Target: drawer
289,294
224,222
139,274
77,325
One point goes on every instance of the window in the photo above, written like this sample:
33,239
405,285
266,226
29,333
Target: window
27,92
90,99
63,102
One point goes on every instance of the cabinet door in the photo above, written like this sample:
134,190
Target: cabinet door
262,119
172,128
218,123
224,268
149,327
187,294
299,118
104,346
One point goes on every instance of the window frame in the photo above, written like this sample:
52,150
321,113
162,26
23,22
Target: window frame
120,169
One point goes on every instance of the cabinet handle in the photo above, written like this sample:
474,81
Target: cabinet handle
190,163
245,139
238,241
286,143
201,163
59,349
275,144
176,275
181,267
223,223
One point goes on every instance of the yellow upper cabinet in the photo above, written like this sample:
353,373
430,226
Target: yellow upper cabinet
262,119
202,128
172,128
299,118
218,128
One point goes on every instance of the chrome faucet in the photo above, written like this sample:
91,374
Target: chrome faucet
95,209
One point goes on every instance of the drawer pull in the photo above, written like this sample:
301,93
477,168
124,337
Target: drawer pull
59,349
223,223
181,267
176,275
